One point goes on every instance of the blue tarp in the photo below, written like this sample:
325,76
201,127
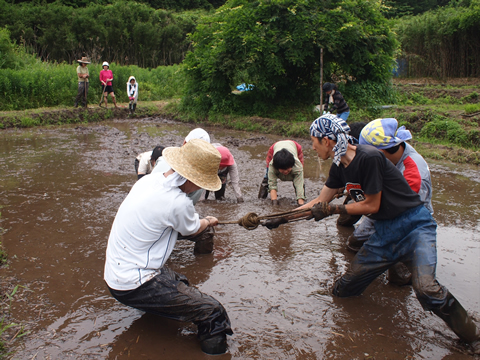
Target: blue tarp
245,87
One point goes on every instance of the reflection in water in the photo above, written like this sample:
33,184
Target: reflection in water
60,189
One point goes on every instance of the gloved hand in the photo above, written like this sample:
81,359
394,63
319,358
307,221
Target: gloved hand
274,223
320,211
131,98
240,200
274,202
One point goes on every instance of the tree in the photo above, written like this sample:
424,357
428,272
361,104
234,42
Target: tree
275,46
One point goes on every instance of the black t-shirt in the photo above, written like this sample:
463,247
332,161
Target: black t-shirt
369,173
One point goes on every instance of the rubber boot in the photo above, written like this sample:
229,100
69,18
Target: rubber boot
134,107
215,345
130,108
263,192
457,318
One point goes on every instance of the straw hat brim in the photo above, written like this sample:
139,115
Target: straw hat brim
83,61
181,164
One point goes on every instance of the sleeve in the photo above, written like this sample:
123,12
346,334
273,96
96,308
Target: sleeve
270,155
372,172
412,174
234,178
136,91
299,152
337,98
334,181
272,178
183,217
298,183
143,163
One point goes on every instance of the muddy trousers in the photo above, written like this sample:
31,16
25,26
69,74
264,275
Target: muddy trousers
169,295
82,94
410,238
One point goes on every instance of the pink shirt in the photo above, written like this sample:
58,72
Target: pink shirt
106,74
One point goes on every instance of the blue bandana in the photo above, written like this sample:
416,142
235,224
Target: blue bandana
333,128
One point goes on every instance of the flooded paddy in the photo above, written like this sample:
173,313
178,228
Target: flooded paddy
61,187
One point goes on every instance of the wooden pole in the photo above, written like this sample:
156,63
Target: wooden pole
321,80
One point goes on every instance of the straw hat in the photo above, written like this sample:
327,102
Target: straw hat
84,60
197,161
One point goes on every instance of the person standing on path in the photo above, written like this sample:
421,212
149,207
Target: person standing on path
83,75
146,227
132,92
106,78
335,101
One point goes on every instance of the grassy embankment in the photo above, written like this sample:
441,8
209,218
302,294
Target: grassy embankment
437,112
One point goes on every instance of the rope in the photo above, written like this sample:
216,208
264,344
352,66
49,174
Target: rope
252,220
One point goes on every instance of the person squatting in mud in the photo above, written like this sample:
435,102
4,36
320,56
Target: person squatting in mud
162,166
143,236
285,162
145,162
404,228
228,166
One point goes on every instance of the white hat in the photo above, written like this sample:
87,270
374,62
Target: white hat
105,64
198,133
197,161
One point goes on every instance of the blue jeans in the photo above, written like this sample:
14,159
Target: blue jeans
409,238
344,115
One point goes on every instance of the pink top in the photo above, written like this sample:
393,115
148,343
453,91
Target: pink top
106,74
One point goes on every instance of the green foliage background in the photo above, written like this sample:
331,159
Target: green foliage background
442,43
29,83
275,45
125,32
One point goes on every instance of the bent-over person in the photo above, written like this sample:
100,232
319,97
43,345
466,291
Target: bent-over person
144,233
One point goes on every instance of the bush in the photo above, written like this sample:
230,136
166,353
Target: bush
275,46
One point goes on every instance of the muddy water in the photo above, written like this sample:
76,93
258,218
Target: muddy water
60,189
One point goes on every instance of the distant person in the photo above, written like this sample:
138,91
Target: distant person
228,166
83,75
335,102
143,236
132,92
145,162
106,78
285,162
162,165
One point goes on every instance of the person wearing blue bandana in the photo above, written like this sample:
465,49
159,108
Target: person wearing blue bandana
404,228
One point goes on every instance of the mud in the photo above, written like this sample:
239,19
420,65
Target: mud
60,189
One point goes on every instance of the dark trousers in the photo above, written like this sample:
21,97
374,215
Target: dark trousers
82,94
169,295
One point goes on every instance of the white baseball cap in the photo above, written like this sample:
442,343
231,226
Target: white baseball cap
105,64
198,133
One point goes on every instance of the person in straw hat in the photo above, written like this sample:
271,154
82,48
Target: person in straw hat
83,75
143,236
